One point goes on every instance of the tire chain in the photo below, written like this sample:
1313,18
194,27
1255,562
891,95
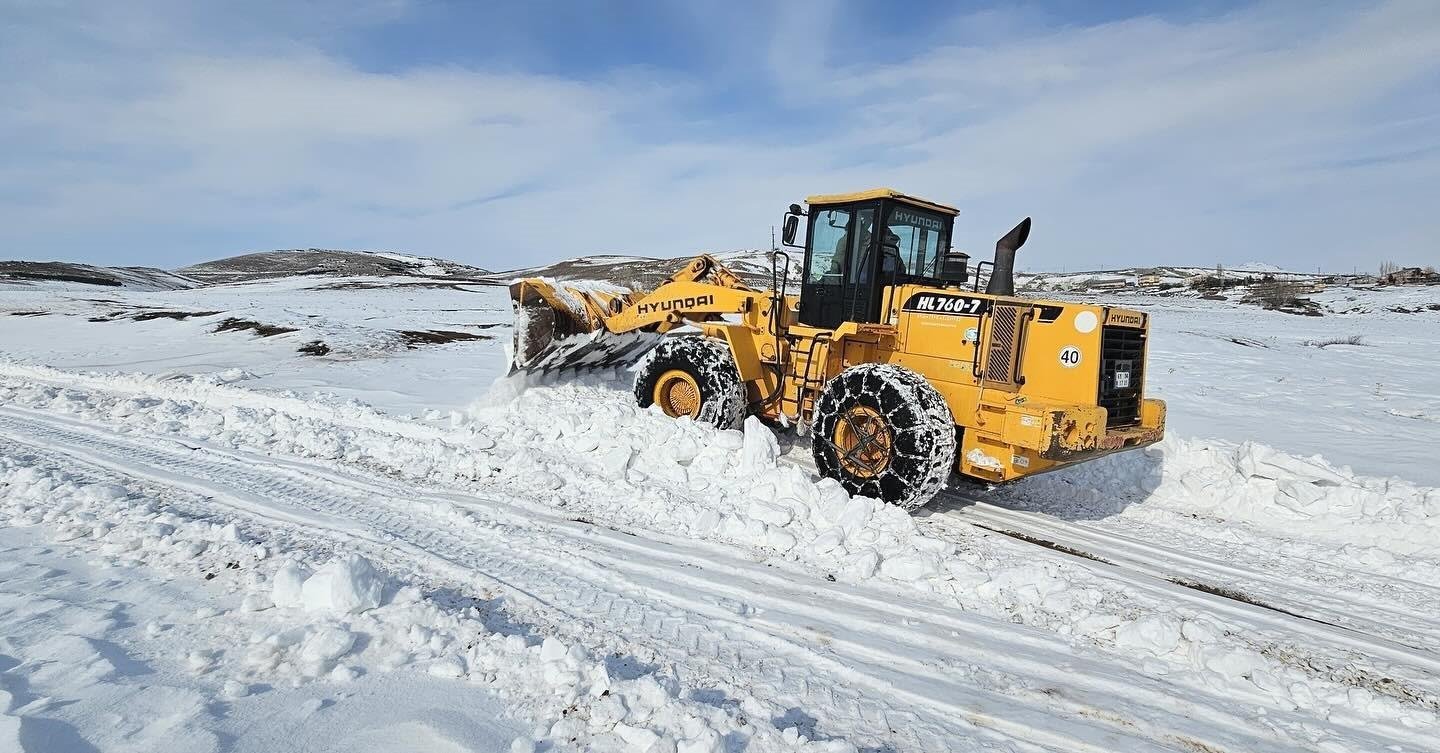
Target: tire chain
901,380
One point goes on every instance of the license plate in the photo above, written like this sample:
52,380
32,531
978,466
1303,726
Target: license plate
1122,380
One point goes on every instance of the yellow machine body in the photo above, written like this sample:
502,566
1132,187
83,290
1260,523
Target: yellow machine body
1032,385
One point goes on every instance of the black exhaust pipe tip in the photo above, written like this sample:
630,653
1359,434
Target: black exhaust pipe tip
1002,272
1017,235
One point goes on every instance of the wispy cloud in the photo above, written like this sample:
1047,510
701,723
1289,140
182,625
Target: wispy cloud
168,135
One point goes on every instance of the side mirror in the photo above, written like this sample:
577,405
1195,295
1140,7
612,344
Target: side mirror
787,233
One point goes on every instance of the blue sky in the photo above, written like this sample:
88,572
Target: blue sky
1304,134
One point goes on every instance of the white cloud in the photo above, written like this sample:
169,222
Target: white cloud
1274,132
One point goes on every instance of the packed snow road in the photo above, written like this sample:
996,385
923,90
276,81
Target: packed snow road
705,553
722,618
1381,606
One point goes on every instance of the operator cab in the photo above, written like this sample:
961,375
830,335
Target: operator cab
857,244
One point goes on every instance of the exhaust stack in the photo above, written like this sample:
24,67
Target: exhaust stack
1002,273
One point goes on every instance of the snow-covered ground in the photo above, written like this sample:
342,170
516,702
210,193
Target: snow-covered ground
216,541
362,321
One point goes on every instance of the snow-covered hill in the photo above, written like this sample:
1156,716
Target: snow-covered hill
273,264
61,274
643,273
1178,278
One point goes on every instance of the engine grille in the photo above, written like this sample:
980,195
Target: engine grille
1122,363
1000,356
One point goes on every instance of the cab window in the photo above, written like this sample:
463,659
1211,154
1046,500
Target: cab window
920,239
828,250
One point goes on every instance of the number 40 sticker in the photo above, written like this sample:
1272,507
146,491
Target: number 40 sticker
1070,356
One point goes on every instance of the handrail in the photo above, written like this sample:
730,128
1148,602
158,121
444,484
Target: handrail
975,364
1020,346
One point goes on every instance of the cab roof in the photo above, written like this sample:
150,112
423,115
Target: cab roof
878,193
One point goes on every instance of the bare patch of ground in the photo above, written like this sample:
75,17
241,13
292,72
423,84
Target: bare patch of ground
417,337
150,315
86,274
146,316
240,325
460,285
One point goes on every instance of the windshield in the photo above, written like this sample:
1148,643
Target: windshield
922,238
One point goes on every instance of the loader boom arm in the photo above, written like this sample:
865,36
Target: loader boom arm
702,290
706,265
559,326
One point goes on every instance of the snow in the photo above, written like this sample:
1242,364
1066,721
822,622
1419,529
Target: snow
343,635
540,564
1260,266
1239,373
368,361
759,448
1253,484
344,585
980,459
113,658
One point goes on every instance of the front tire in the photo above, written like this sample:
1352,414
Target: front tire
882,431
693,376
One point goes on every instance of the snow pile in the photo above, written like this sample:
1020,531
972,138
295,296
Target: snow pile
610,461
347,585
294,627
1251,483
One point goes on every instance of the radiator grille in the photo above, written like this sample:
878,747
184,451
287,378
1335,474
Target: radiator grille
1000,356
1122,363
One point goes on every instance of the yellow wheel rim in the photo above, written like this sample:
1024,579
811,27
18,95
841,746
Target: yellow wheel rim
864,442
677,393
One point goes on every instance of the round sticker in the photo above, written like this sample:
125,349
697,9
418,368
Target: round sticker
972,335
1085,322
1070,356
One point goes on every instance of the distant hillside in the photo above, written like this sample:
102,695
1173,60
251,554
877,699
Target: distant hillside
137,278
644,273
637,272
1173,277
325,262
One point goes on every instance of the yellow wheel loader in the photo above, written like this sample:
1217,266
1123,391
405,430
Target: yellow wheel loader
901,369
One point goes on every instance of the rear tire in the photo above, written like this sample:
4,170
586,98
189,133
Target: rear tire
693,376
882,431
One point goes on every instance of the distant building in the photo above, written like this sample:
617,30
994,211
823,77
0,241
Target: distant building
1412,276
1109,283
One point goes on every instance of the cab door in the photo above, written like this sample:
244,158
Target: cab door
839,283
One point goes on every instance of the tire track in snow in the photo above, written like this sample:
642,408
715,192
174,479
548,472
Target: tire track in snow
1159,584
1403,627
1348,657
854,684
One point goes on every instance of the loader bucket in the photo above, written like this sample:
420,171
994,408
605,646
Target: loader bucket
562,327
